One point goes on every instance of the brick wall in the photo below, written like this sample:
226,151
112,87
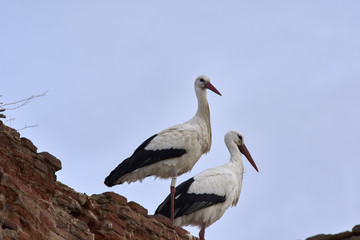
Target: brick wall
354,234
33,205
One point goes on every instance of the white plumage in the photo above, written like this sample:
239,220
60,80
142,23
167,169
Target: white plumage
173,151
203,199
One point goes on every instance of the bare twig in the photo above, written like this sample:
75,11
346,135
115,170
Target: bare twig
26,126
8,121
16,105
19,129
21,103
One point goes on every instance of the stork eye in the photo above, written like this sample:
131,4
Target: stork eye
240,138
202,80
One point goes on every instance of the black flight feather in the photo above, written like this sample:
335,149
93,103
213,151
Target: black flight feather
187,203
141,158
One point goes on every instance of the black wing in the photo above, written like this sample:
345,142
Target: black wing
141,158
187,203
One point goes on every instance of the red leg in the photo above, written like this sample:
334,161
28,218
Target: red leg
172,193
202,232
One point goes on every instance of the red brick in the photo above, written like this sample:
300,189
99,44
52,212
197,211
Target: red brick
99,235
80,233
24,236
82,199
129,236
35,232
41,166
10,224
151,226
13,217
356,230
181,231
28,144
43,204
169,235
42,192
46,220
163,219
115,227
2,201
110,216
29,204
16,152
23,212
52,160
94,225
61,222
128,214
108,207
17,182
99,199
27,157
89,204
38,179
8,234
10,195
65,234
113,197
102,235
138,208
12,132
26,189
63,200
64,189
131,228
143,235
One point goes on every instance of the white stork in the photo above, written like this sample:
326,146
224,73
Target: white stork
173,151
204,198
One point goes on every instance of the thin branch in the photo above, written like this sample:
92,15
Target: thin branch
16,105
26,126
21,103
9,120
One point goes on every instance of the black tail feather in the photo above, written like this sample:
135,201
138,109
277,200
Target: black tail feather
117,173
141,158
187,203
164,207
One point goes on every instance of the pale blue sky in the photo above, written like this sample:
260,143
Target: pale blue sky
118,72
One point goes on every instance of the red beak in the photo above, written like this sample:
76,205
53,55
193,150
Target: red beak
245,151
209,86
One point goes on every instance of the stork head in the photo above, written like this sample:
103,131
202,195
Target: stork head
238,139
203,82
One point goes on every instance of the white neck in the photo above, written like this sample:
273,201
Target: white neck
203,110
203,114
235,156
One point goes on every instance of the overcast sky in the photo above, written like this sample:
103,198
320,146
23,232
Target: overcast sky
118,72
